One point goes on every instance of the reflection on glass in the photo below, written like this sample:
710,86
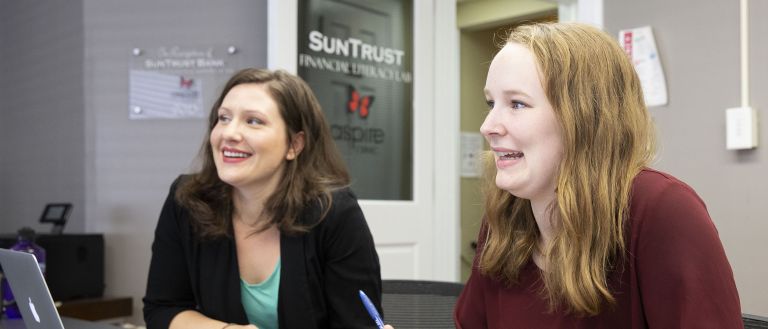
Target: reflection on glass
357,57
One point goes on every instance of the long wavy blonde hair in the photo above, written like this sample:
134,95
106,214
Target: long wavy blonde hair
608,137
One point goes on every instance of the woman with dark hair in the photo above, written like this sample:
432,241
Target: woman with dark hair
267,234
578,231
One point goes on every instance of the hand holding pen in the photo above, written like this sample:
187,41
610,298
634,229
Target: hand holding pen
373,312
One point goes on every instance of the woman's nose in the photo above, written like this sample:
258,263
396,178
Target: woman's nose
232,132
491,124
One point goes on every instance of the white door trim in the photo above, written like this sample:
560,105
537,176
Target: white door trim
584,11
447,113
282,31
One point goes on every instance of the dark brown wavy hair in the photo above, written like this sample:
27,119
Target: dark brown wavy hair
309,178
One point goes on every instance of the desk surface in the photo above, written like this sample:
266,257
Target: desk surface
69,323
96,309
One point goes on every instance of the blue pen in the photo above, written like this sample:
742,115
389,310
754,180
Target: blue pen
371,310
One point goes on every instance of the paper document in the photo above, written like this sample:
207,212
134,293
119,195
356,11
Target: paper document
471,150
641,48
155,95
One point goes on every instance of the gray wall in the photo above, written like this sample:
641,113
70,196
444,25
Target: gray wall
698,42
65,130
42,126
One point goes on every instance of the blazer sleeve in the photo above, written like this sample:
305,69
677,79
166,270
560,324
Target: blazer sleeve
169,290
684,276
350,264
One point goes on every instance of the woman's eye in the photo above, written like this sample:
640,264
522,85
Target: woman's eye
518,105
490,104
255,121
223,118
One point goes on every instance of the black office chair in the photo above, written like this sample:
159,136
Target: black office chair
414,304
754,321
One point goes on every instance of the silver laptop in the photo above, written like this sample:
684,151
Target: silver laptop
29,290
33,297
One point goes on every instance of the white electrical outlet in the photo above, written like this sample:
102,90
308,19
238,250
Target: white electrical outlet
740,128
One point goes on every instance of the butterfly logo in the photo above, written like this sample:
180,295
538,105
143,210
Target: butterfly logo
357,102
186,83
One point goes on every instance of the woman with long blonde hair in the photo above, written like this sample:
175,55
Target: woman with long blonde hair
578,231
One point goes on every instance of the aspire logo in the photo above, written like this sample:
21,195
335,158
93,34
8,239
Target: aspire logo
358,103
362,137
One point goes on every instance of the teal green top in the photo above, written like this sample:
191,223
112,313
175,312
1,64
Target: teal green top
260,300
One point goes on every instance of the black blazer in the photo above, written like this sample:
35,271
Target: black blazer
322,270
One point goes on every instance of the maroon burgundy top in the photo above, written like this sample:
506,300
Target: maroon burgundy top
677,275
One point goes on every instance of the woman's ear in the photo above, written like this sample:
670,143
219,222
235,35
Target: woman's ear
296,146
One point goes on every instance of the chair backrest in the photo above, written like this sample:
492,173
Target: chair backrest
754,321
414,304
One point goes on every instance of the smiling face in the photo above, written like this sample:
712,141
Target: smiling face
521,126
249,141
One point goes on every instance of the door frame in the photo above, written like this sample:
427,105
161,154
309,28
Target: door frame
439,44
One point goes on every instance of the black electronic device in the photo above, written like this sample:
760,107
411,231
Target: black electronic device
57,214
74,264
